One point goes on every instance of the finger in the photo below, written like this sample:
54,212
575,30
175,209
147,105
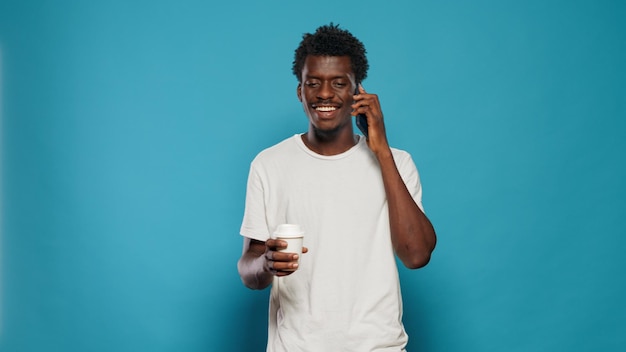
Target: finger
275,244
368,106
365,99
285,266
358,102
360,109
284,257
359,92
283,273
281,261
273,267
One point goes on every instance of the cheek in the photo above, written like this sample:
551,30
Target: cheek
304,98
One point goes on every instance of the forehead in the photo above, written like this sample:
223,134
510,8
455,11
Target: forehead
322,66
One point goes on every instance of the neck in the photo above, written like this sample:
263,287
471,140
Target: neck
329,142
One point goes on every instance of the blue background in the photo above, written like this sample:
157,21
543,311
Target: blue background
128,128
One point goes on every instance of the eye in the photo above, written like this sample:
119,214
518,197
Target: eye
339,84
311,84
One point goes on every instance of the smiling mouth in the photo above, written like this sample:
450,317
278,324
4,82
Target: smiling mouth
325,108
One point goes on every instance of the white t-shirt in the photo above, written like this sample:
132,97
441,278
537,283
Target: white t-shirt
345,296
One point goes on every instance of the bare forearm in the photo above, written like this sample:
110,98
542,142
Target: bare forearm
412,235
252,272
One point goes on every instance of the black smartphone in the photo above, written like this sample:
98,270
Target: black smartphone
361,120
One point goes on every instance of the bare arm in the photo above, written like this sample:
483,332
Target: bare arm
260,262
412,235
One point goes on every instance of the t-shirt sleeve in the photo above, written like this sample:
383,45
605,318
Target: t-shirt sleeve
410,176
254,223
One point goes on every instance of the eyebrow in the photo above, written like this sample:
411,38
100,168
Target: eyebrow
331,78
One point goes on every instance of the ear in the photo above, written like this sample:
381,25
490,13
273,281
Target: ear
299,91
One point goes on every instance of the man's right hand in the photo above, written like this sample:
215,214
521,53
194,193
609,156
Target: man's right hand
280,263
261,261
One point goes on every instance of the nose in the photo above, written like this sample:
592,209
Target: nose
325,92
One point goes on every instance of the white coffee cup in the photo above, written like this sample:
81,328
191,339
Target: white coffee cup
293,235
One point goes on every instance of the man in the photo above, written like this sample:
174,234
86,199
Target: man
358,200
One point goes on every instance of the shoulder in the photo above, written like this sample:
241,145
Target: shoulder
278,150
405,164
277,157
401,156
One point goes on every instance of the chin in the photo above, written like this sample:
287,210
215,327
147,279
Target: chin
326,130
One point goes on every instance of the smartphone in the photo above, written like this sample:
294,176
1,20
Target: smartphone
361,120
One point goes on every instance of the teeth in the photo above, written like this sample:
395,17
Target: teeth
325,108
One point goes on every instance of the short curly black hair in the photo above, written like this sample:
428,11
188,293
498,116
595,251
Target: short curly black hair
330,40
